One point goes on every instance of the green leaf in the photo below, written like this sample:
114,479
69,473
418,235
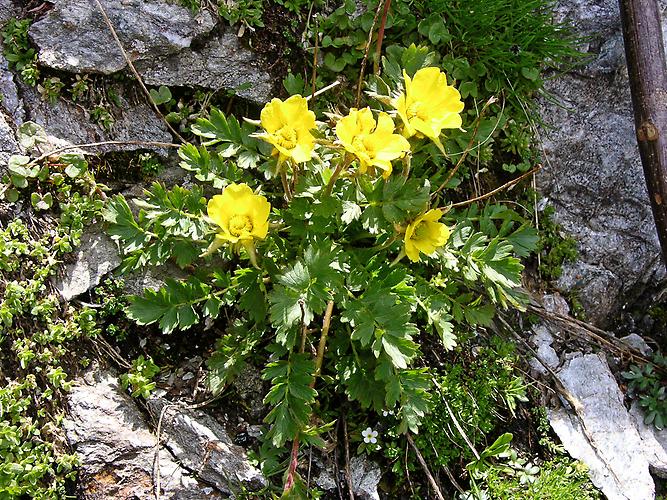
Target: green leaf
380,319
160,96
229,357
172,305
76,165
12,195
335,65
531,73
291,396
30,134
219,128
122,225
294,84
17,165
250,286
398,198
304,289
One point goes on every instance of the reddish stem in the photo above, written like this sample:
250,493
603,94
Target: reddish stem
378,49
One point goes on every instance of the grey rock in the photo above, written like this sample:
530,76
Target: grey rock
365,478
541,335
74,37
96,256
222,63
201,444
117,449
654,441
8,143
593,175
636,342
555,303
133,122
167,43
7,11
546,355
601,432
151,278
11,101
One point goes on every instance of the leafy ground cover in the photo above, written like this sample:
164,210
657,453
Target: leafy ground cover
344,245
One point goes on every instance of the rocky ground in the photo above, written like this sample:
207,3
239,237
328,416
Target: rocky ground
592,176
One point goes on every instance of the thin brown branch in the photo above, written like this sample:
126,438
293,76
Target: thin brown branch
367,49
431,479
105,143
134,70
326,324
348,474
468,148
378,46
491,193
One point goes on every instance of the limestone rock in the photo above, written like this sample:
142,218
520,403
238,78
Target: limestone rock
74,37
116,447
133,122
222,63
7,11
593,175
365,478
600,431
96,256
168,44
201,444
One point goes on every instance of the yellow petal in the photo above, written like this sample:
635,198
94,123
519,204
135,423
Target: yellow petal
411,251
272,117
296,113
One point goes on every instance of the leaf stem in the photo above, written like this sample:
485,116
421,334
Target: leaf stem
345,161
326,324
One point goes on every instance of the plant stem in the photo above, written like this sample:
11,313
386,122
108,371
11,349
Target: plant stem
345,161
491,193
491,100
378,48
360,83
430,477
326,324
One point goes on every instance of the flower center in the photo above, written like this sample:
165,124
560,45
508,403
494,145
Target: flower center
421,231
361,146
416,110
287,137
239,224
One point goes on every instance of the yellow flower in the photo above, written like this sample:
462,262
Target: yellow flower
428,105
242,215
374,144
288,125
425,234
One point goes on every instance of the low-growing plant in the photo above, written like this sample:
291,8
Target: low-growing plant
140,377
38,332
17,50
648,384
326,249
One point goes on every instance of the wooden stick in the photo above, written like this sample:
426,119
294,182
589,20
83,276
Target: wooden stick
431,479
134,70
645,56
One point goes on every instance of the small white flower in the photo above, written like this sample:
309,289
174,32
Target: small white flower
386,413
369,435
